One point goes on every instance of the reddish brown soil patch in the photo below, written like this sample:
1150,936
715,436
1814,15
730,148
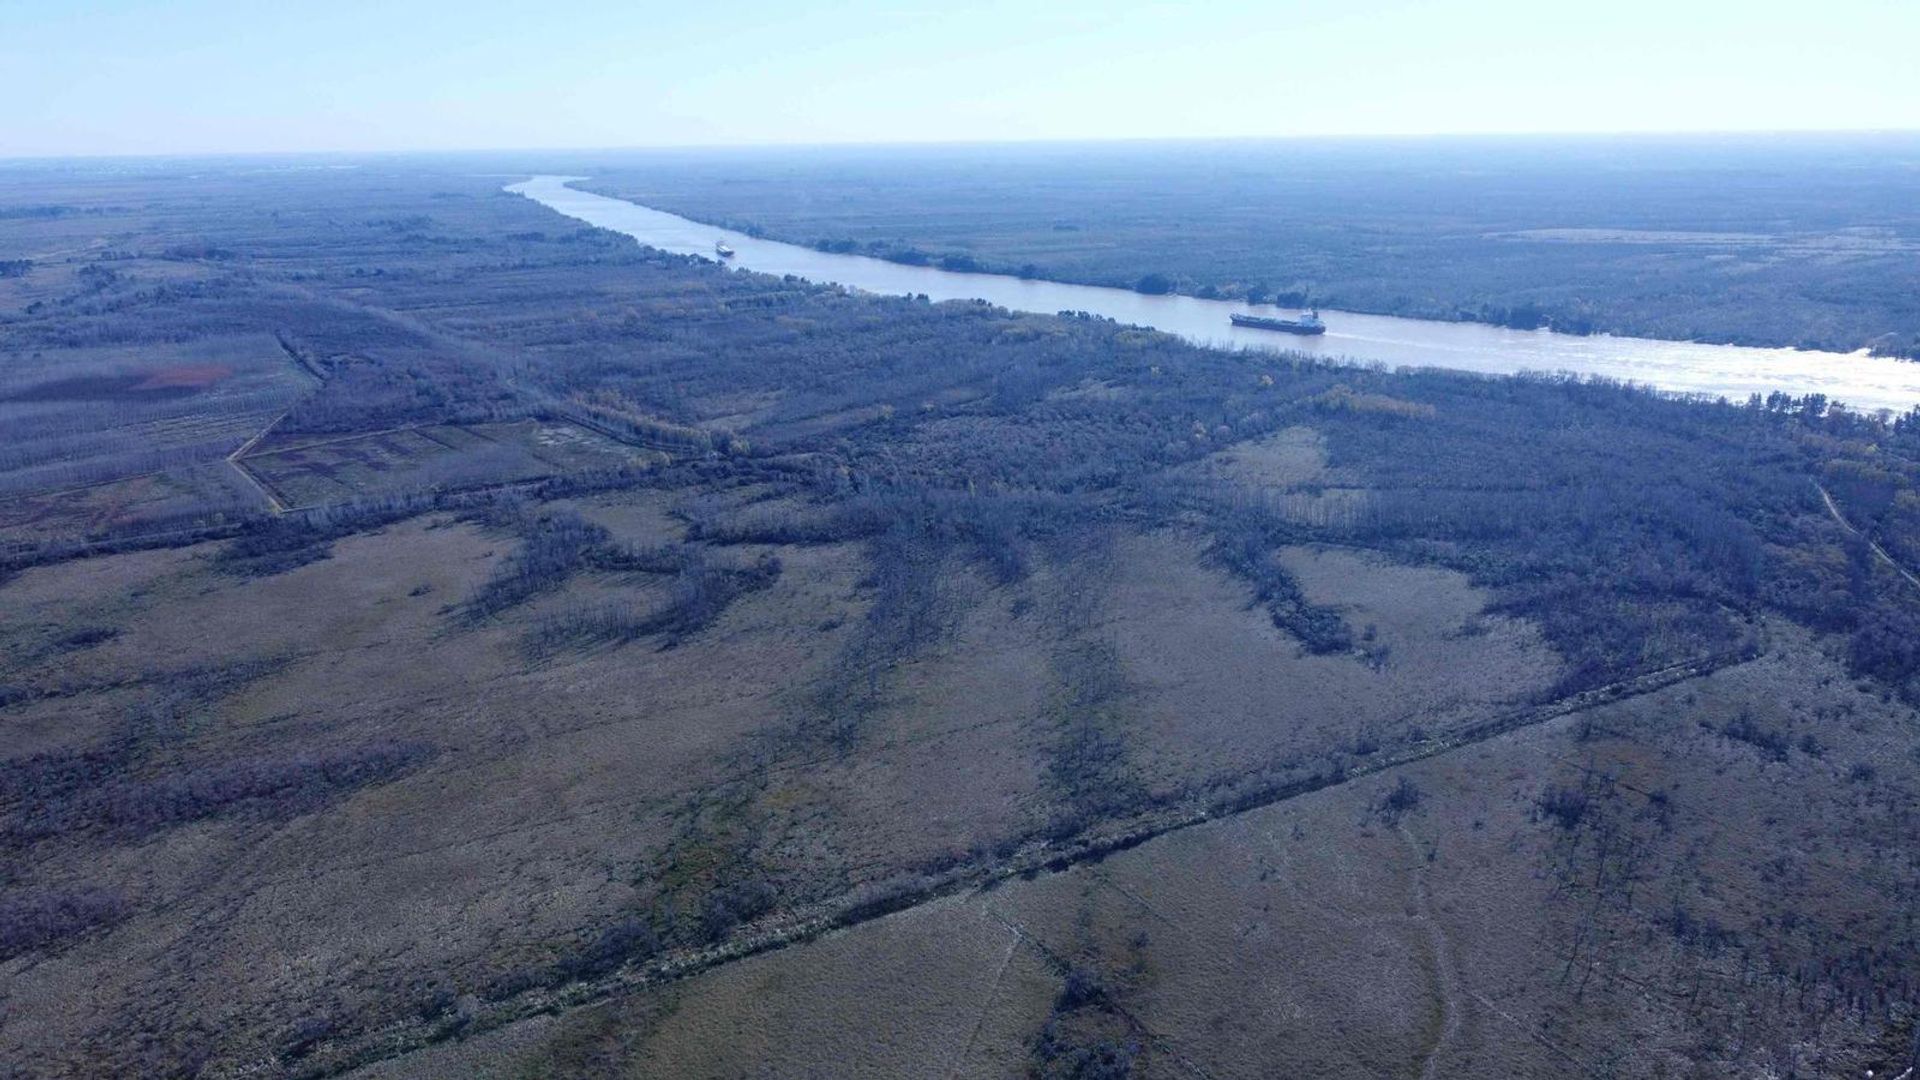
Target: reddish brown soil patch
167,382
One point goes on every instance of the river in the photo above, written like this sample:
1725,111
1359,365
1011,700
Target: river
1861,381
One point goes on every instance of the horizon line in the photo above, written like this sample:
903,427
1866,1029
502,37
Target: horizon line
1408,136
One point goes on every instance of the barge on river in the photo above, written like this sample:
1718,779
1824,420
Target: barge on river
1308,324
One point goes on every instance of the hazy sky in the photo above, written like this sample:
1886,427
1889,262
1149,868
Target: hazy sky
182,76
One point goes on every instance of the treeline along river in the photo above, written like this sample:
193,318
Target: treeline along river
1859,381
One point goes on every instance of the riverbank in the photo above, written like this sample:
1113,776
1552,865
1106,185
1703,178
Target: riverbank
1782,242
1730,371
1512,317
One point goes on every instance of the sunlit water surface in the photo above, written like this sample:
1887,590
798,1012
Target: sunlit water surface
1861,381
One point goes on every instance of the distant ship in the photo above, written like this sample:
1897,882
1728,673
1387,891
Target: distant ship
721,249
1308,324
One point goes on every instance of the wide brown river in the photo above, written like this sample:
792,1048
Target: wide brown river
1860,381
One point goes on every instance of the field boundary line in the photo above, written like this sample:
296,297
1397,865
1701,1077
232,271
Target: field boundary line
274,505
331,440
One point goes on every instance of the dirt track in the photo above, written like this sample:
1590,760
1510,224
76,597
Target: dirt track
1834,509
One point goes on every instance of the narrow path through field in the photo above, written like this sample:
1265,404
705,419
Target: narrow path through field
986,1003
1446,976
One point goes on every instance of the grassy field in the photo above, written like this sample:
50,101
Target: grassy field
665,671
1358,930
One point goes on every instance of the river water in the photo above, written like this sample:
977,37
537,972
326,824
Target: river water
1861,381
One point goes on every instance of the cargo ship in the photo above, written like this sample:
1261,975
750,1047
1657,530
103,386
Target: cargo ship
1307,324
721,249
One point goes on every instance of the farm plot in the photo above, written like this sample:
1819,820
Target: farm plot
182,498
72,417
435,456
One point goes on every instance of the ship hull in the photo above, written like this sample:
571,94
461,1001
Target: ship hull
1284,326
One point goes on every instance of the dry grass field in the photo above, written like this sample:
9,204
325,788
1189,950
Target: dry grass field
1335,934
550,794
